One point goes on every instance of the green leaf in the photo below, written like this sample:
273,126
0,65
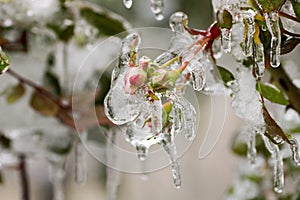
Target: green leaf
106,24
295,130
15,93
296,7
289,45
268,5
63,33
224,19
5,142
51,82
4,62
272,93
226,75
43,105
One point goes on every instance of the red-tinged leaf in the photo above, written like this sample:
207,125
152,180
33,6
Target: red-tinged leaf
43,105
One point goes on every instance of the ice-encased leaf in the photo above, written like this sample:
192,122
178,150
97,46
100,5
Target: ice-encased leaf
224,19
4,62
225,74
268,5
272,93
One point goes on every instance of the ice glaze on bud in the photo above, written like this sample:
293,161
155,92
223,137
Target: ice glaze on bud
134,79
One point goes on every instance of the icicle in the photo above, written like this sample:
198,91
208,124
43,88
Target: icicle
177,21
188,115
157,7
113,176
251,148
156,116
142,151
80,161
198,76
259,59
57,176
127,3
248,35
278,165
295,151
272,21
170,149
177,119
226,39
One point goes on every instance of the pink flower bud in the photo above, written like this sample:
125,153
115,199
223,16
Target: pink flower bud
134,79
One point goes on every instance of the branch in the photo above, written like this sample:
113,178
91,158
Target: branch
289,33
285,15
38,88
24,178
64,114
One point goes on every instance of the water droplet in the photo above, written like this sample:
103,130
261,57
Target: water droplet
157,7
272,21
251,150
249,28
177,21
226,39
295,151
128,3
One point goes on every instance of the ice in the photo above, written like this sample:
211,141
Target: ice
127,3
113,176
80,161
120,108
188,113
246,101
198,74
277,165
272,21
259,59
177,21
226,39
249,28
57,176
157,7
127,54
156,116
295,151
170,149
251,153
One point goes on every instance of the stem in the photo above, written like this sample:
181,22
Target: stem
38,88
283,14
290,33
24,178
